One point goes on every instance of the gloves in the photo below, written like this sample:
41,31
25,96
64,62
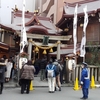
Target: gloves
81,84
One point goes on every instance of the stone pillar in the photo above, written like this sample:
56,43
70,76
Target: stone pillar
29,49
58,50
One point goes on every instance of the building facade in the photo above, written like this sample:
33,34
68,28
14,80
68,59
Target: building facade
52,8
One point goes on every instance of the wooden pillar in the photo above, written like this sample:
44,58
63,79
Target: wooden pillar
73,69
73,75
96,74
2,39
92,72
80,72
10,41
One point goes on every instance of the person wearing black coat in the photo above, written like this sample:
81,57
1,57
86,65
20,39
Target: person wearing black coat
37,66
43,64
3,69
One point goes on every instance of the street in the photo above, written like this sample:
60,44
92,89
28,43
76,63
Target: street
67,93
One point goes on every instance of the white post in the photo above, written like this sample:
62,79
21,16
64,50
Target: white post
58,50
29,49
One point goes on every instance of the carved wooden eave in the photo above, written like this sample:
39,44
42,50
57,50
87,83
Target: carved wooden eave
6,28
24,54
51,37
93,9
33,23
39,29
66,50
4,46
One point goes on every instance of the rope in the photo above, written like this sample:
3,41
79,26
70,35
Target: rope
41,47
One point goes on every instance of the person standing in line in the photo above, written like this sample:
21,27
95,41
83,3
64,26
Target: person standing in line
85,81
12,69
50,71
3,69
26,76
58,70
61,71
9,66
43,64
37,66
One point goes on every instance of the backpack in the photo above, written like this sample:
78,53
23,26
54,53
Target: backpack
1,71
50,71
58,69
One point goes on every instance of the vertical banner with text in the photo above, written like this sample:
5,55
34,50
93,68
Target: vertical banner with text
83,41
23,30
75,29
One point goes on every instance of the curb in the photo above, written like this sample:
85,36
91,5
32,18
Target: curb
17,86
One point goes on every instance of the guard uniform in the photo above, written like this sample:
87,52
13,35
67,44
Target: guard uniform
85,81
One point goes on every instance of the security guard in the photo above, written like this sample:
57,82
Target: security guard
85,81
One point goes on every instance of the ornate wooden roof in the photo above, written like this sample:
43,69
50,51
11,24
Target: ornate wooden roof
4,47
93,8
68,49
33,23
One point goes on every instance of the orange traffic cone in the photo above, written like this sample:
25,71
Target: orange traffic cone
92,82
76,86
31,86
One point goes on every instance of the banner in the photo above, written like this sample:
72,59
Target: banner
23,30
83,41
75,30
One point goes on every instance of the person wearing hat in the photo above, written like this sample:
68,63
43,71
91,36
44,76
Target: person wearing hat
50,71
85,81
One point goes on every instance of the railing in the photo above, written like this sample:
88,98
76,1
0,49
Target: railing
76,73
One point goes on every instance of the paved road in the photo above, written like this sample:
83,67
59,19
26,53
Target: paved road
67,93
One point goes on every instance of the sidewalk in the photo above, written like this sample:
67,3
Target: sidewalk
36,83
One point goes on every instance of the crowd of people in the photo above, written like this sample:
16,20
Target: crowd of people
51,71
10,66
39,66
53,81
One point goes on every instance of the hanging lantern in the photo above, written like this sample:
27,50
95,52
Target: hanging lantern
78,53
66,58
44,52
37,49
51,50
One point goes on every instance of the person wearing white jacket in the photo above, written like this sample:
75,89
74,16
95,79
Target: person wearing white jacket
9,65
71,67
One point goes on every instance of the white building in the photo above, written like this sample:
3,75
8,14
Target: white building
7,5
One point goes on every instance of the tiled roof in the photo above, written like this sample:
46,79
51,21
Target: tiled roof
32,22
92,6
